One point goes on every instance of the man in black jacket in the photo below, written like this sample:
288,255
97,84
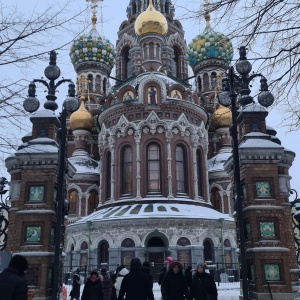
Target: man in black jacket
136,283
13,286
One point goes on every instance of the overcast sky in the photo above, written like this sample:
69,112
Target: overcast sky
114,12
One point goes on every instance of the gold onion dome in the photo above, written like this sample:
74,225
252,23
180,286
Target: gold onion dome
222,117
82,118
151,21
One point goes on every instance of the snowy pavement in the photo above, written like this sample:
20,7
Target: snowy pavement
225,291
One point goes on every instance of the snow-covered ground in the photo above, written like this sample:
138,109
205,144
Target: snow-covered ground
226,291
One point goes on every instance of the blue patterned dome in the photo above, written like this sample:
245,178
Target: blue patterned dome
93,47
210,45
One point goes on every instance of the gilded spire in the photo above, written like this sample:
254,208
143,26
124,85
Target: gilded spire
94,12
207,15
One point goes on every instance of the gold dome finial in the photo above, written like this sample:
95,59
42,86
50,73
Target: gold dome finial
81,118
94,11
207,15
151,21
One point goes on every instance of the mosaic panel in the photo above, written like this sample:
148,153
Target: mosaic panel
267,229
33,234
263,189
247,230
272,272
36,193
252,272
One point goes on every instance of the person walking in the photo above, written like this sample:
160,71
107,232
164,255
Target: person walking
203,285
75,292
122,271
161,276
93,288
107,283
13,285
136,284
174,286
147,271
188,276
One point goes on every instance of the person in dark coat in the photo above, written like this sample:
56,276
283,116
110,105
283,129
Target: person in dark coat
136,284
107,283
188,276
12,282
147,271
93,288
174,286
75,292
203,285
161,276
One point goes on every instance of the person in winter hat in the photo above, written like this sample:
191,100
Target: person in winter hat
122,271
75,292
174,286
93,288
136,284
107,283
203,285
12,282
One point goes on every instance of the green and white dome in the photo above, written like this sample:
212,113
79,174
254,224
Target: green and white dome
93,47
210,45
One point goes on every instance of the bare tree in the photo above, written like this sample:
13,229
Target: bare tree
25,40
270,29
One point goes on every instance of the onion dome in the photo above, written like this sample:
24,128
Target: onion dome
82,118
210,45
151,21
93,47
222,117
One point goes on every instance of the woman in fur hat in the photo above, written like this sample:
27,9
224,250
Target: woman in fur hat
203,285
174,286
93,288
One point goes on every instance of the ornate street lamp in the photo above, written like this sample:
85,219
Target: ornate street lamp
4,212
236,94
71,104
295,206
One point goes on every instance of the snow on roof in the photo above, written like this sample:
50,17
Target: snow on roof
259,140
254,107
85,165
155,211
216,163
38,148
44,113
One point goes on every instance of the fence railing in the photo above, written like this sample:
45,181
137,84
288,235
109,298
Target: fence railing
221,272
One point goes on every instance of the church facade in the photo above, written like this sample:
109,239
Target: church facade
150,162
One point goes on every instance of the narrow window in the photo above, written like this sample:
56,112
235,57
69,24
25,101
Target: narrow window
103,256
93,202
108,176
153,168
73,200
199,173
180,170
127,170
90,82
208,250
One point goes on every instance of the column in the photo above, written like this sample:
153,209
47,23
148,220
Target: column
195,169
137,139
169,159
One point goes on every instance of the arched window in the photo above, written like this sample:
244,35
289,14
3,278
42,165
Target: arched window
213,80
128,243
180,159
73,200
183,241
153,169
167,7
104,86
208,250
127,64
176,63
90,82
103,256
108,175
199,173
216,199
133,8
227,243
93,201
199,84
83,254
127,170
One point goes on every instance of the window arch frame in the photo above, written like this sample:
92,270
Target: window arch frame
156,161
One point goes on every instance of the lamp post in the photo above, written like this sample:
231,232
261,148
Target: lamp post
295,206
236,95
31,104
4,212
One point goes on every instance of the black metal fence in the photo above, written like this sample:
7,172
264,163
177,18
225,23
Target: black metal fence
221,272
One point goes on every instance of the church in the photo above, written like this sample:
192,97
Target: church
150,161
